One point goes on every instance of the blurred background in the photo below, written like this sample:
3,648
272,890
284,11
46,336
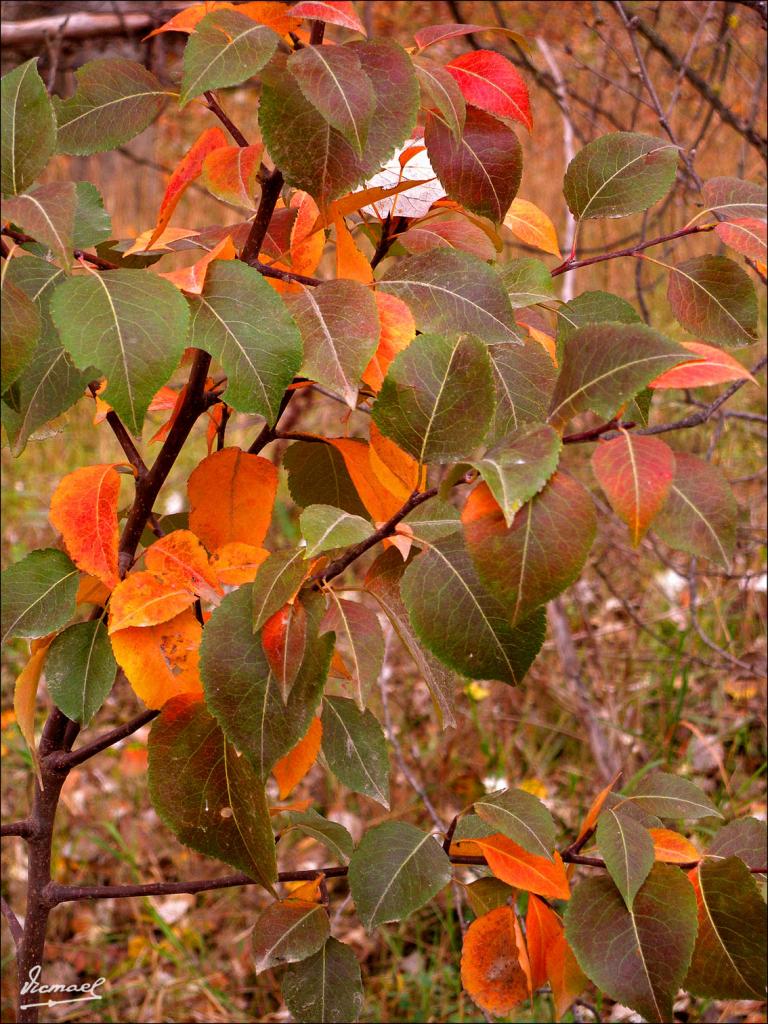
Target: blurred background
651,660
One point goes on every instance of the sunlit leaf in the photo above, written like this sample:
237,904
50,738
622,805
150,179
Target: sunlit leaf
28,128
713,366
84,511
161,661
231,173
523,870
231,494
672,848
492,82
491,969
145,599
531,225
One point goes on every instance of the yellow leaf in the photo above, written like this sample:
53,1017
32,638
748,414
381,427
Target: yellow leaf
532,226
163,242
307,892
25,691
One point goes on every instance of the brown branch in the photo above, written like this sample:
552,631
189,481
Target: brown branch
595,432
215,108
22,828
385,530
62,761
124,439
632,250
14,925
281,275
90,257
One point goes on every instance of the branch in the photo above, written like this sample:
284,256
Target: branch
595,432
61,761
124,439
90,257
22,828
17,932
281,275
385,530
234,131
632,250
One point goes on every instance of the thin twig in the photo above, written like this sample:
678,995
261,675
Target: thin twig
14,924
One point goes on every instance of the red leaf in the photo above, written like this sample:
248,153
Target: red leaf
542,927
715,367
332,12
231,172
437,33
523,870
84,511
188,168
745,235
284,639
636,473
493,83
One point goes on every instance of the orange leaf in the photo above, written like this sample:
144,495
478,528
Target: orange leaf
284,638
237,563
294,805
192,279
542,928
522,953
672,848
714,367
231,174
188,168
25,691
164,399
565,976
164,430
366,197
180,558
92,591
532,226
231,495
491,971
270,13
465,848
544,339
350,261
161,661
84,511
594,811
291,769
379,501
186,20
307,244
398,330
163,243
306,892
393,467
143,599
514,865
338,668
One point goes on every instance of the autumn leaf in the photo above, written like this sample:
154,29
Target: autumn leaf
542,929
333,12
284,639
192,279
144,599
393,467
596,807
231,174
84,511
713,367
92,591
398,329
378,500
231,494
161,661
492,83
185,172
673,848
523,870
532,226
491,971
235,563
291,769
179,557
25,691
350,261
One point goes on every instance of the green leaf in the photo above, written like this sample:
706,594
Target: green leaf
520,466
339,325
326,988
50,384
207,794
629,810
456,618
482,169
604,365
638,957
288,931
28,128
359,635
523,380
527,281
487,894
541,554
672,797
48,214
324,528
334,82
80,670
472,826
243,693
317,475
114,101
225,48
132,325
245,326
355,749
278,579
627,848
437,397
330,833
619,174
314,156
730,955
433,519
592,308
450,291
93,225
734,198
700,513
38,594
713,298
21,326
439,90
395,870
521,817
746,838
383,581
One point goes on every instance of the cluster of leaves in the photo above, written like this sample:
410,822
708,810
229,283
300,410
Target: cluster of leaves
255,662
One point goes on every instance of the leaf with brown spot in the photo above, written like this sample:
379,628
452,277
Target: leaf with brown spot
491,971
161,661
144,599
